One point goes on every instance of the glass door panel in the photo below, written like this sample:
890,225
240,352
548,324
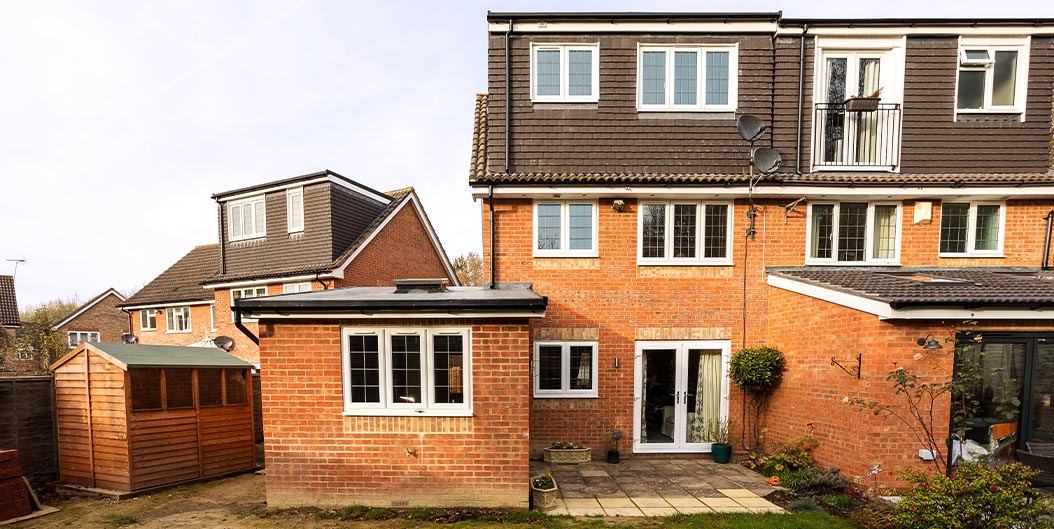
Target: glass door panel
1041,429
702,395
659,384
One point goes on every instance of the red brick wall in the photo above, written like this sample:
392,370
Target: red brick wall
621,302
104,318
402,250
317,456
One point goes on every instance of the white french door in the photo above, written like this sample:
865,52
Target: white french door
680,392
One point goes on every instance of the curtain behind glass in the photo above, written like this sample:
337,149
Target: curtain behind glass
867,122
707,397
644,397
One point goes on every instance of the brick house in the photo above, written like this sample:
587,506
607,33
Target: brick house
10,321
313,232
98,320
915,193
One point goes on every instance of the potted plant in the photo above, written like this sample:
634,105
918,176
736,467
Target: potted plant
613,454
568,453
863,104
543,492
721,445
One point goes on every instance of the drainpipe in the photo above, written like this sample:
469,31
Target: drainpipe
321,282
223,243
508,99
493,254
801,99
241,326
1046,243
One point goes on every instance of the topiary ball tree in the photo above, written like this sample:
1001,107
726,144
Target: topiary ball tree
757,371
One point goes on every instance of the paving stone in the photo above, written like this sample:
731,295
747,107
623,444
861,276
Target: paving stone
687,501
610,503
581,503
649,501
715,503
737,493
754,502
623,511
585,511
658,511
731,509
694,510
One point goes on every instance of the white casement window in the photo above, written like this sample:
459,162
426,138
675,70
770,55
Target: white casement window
147,319
407,371
294,200
76,338
212,316
178,319
693,78
853,232
993,75
565,73
565,228
249,292
296,288
676,232
247,219
565,369
972,229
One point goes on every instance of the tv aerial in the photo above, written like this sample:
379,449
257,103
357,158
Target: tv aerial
766,159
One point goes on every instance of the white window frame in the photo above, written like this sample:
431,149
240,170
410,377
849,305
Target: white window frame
254,290
170,314
248,204
971,230
700,99
565,371
212,316
565,96
565,230
1021,45
147,316
427,406
698,260
869,234
296,288
291,196
92,336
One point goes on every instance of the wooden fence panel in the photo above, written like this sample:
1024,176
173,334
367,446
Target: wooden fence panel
27,424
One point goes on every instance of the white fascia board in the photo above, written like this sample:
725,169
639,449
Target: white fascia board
389,315
885,312
763,191
268,281
164,305
616,26
906,30
383,199
87,306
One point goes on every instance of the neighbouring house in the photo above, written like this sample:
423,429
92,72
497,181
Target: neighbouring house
98,320
10,321
313,232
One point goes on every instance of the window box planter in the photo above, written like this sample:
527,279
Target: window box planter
861,104
568,456
543,497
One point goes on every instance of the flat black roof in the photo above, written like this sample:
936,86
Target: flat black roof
508,297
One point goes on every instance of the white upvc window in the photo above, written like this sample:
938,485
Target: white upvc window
565,228
177,319
247,219
244,293
684,233
992,75
212,316
407,371
565,73
296,288
76,338
972,229
688,78
853,232
294,200
565,369
147,319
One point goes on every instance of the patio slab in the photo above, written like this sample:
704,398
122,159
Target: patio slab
659,487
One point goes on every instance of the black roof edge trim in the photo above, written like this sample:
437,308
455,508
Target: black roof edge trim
499,16
406,305
285,181
970,305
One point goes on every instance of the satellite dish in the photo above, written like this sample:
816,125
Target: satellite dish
128,338
751,128
224,342
767,159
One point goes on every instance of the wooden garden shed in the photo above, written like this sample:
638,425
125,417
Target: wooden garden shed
134,417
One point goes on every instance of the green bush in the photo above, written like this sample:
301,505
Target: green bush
838,501
805,505
757,370
790,456
815,482
975,496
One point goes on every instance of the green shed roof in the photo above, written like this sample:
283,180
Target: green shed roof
165,356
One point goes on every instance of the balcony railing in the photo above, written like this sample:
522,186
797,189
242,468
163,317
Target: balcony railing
856,137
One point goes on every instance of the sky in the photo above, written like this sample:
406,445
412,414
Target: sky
120,119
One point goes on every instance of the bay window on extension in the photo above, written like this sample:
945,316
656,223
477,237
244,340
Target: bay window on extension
853,232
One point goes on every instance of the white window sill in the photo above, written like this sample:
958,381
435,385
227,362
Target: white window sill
723,262
810,262
855,169
989,111
565,255
384,412
179,332
249,238
971,255
148,330
542,100
725,109
592,395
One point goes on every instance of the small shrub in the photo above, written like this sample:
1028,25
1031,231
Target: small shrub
838,501
379,513
974,496
804,505
872,515
757,369
815,482
794,455
352,512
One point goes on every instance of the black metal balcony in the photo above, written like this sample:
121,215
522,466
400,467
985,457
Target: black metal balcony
858,135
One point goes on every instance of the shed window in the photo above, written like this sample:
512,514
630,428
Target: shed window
210,387
179,388
236,391
146,388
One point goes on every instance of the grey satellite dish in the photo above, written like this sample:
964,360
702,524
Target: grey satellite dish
751,128
224,342
767,159
128,338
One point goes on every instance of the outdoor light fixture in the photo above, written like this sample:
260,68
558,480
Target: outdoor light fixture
929,342
618,205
